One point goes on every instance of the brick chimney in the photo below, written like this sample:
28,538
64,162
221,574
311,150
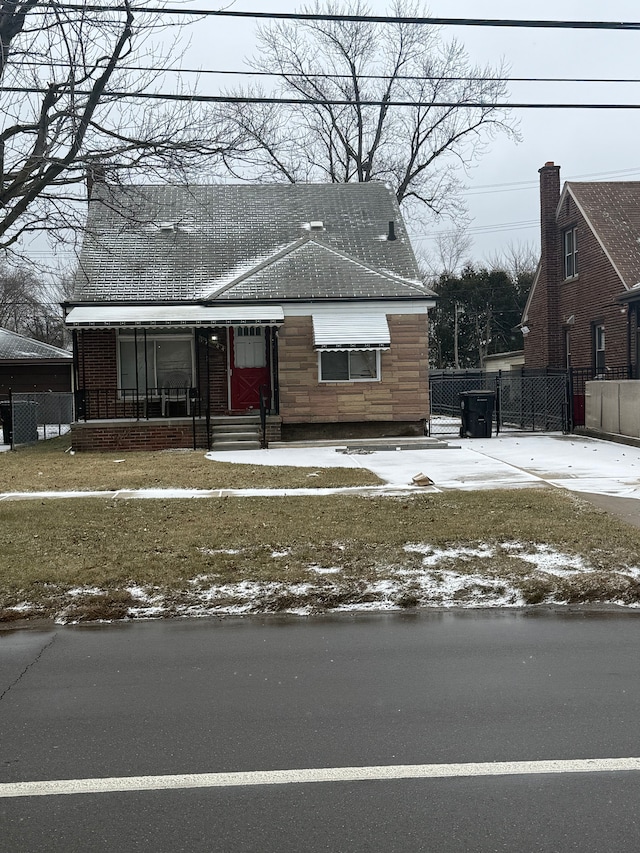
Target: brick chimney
543,344
95,174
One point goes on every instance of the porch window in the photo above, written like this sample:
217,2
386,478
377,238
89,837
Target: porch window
349,365
571,253
164,361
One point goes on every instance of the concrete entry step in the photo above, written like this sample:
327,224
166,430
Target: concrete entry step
252,435
236,445
232,427
235,432
225,420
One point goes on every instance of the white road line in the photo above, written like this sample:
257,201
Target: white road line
323,774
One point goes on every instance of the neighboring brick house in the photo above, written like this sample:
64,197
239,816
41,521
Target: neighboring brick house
195,305
27,365
584,304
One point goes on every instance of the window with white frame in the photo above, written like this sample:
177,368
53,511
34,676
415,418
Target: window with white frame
157,361
571,253
598,349
349,365
567,348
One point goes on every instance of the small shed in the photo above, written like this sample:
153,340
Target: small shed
27,365
505,360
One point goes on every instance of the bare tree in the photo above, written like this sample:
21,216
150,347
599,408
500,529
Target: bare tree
30,303
449,255
518,259
69,76
417,149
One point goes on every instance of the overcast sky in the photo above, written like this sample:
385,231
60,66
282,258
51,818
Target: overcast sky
587,144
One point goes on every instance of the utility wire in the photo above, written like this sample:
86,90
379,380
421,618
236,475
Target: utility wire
376,19
385,77
247,99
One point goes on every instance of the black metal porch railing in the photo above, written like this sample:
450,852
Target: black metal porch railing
578,376
112,404
264,409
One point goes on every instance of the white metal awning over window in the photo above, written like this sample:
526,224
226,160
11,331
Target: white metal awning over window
151,316
359,332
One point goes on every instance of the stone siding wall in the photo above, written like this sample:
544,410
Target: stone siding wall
402,394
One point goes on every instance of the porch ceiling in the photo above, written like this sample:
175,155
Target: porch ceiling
150,316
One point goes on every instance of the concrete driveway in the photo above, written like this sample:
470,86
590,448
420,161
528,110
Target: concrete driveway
510,460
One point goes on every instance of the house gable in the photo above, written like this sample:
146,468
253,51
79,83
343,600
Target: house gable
309,269
612,212
581,277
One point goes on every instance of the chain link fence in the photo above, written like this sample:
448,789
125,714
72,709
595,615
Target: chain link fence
28,418
525,400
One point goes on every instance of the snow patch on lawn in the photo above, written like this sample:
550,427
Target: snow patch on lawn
212,551
505,574
325,570
549,560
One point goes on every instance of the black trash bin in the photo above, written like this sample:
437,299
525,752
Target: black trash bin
5,417
476,408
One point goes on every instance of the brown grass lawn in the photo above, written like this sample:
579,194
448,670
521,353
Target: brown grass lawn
47,467
79,558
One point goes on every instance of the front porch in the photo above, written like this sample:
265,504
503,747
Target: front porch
171,433
162,377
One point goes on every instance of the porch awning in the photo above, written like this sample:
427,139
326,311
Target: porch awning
346,332
150,316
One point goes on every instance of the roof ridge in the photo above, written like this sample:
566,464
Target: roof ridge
265,262
376,182
34,341
377,271
601,183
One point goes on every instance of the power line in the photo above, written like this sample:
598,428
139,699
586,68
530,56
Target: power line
323,75
376,19
248,99
481,230
517,186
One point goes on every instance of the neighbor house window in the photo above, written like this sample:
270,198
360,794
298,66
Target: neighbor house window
598,349
571,253
349,365
157,361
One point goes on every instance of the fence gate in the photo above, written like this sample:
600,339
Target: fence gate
39,415
527,400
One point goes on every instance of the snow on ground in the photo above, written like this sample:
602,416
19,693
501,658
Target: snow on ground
510,460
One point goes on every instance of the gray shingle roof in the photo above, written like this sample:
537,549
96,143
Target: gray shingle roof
190,243
16,347
310,269
613,209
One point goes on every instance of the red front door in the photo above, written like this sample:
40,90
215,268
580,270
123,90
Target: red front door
249,366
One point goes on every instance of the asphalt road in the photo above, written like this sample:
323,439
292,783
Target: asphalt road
208,697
